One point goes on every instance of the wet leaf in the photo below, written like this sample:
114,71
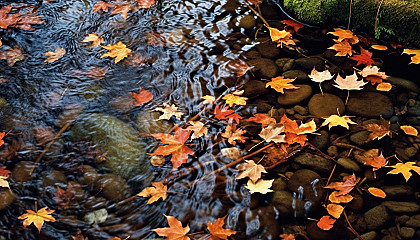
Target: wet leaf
208,99
343,34
281,83
349,83
145,3
262,186
198,129
157,191
3,80
94,38
233,135
287,236
262,118
281,37
365,57
4,182
144,96
376,162
175,231
7,19
22,20
416,58
37,218
54,56
217,231
12,55
292,24
335,120
65,198
343,49
169,111
2,134
255,2
378,131
377,192
379,47
250,169
4,172
122,9
344,187
226,113
101,6
239,66
118,51
405,169
335,198
96,73
326,223
43,134
335,210
384,86
79,236
294,132
409,130
232,99
272,132
320,76
373,75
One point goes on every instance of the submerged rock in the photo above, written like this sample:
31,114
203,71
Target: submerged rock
314,162
324,105
377,217
7,197
125,153
308,185
295,96
264,67
369,104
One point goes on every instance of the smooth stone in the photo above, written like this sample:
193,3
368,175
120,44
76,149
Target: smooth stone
309,63
246,21
268,50
407,232
369,104
89,175
398,192
314,162
321,141
325,105
372,235
402,207
285,64
51,178
300,110
349,164
148,122
414,110
264,67
97,216
414,221
68,115
410,151
112,187
307,184
300,76
404,83
377,217
360,138
3,102
255,88
266,227
21,171
287,205
7,197
279,184
125,152
295,96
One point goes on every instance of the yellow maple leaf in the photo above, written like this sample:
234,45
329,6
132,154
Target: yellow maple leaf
232,99
37,218
118,51
343,34
54,56
409,130
281,37
233,134
416,58
157,191
169,111
404,169
335,120
94,38
262,186
4,182
198,129
208,99
280,83
250,169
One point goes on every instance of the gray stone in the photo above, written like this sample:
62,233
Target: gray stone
402,207
377,217
320,141
404,83
295,96
7,197
308,185
325,105
125,153
287,205
372,235
300,76
314,162
360,138
246,21
369,104
349,164
398,192
309,63
268,50
414,221
264,67
407,232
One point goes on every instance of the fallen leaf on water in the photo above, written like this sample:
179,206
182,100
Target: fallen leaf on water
122,9
377,192
281,37
79,236
232,152
118,51
292,24
226,113
373,75
169,111
144,96
326,223
280,83
416,58
379,47
335,198
409,130
64,198
208,99
255,2
157,161
37,218
365,57
2,134
344,187
378,131
198,129
4,172
6,18
320,76
232,99
349,83
54,56
96,73
43,134
343,48
335,210
335,120
262,186
404,169
376,162
250,169
3,80
233,134
12,55
272,132
157,191
384,86
175,231
94,38
4,182
287,236
101,6
262,118
217,231
145,3
343,34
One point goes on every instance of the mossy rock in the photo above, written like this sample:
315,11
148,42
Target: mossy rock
397,20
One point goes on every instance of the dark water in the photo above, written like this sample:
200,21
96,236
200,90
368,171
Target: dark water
199,38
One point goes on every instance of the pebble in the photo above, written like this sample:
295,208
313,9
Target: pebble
287,205
112,187
285,64
325,105
332,151
279,184
320,141
308,64
410,151
301,110
255,88
246,21
372,235
268,50
51,178
398,192
377,217
89,175
7,197
404,83
402,207
300,75
314,162
349,164
308,185
264,67
369,104
414,221
360,138
295,96
407,232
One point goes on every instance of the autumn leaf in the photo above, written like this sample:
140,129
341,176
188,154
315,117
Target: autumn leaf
4,172
37,218
169,111
157,191
198,129
262,186
376,162
175,231
217,231
404,169
96,73
226,113
344,187
280,83
94,38
335,210
365,58
287,236
54,56
377,192
281,37
262,118
349,83
373,75
292,24
326,223
12,55
272,132
2,134
335,198
118,51
343,49
250,169
8,19
320,76
123,9
379,47
18,20
409,130
232,99
101,6
175,146
208,99
144,96
233,134
416,58
239,66
378,131
345,35
255,2
64,198
4,182
294,132
335,120
79,236
384,86
145,3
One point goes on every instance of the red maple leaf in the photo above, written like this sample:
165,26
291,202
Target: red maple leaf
176,146
226,114
292,24
142,97
4,172
365,57
8,19
344,187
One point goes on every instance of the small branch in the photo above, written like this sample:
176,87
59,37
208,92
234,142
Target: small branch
345,145
258,14
348,25
377,16
351,227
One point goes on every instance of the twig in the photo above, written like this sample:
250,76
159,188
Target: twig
258,14
377,15
350,227
345,145
351,3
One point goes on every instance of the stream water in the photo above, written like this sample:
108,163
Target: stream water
183,50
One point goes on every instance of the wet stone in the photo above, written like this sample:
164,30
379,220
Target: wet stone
89,175
308,64
148,122
325,105
300,76
407,232
320,141
53,177
21,171
349,164
7,197
264,67
97,216
287,205
285,64
113,187
402,207
360,138
377,217
372,235
404,83
268,50
308,185
398,192
414,221
314,162
279,184
255,88
246,21
369,104
295,96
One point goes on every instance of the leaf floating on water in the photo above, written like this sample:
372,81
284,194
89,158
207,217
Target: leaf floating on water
287,236
272,132
377,192
12,55
198,129
232,99
292,24
343,35
343,49
379,47
123,9
37,218
335,120
94,38
404,169
169,111
118,51
101,6
145,3
334,197
320,76
416,58
379,131
280,83
233,134
250,169
326,223
376,162
144,96
262,118
208,99
349,83
157,191
4,182
373,75
4,172
384,86
335,210
409,130
262,186
54,56
2,134
217,231
281,37
175,231
344,187
365,57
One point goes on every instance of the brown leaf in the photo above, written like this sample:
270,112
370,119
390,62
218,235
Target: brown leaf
233,134
250,169
343,49
101,6
175,231
7,19
334,197
378,131
409,130
96,73
262,118
65,198
376,162
79,236
123,9
12,55
216,229
290,24
335,210
145,3
344,187
43,134
144,96
54,56
343,35
94,38
198,129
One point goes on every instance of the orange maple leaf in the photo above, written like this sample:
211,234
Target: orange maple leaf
365,58
409,130
280,83
290,24
175,231
198,129
335,210
118,51
344,35
8,19
2,134
233,134
377,192
373,75
176,146
145,3
94,38
217,231
295,133
157,191
376,162
416,58
226,113
123,9
4,172
335,198
343,48
63,197
326,223
54,56
37,218
378,131
262,118
142,97
404,169
344,187
101,6
18,20
287,236
281,37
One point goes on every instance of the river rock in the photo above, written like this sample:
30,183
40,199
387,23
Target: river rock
3,102
268,50
314,162
285,64
246,21
407,232
21,171
265,67
325,105
89,175
404,83
295,96
360,138
148,122
377,217
255,88
112,187
287,205
349,164
414,221
308,64
307,185
402,207
300,76
372,235
7,197
125,153
369,104
279,184
51,178
97,216
398,192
